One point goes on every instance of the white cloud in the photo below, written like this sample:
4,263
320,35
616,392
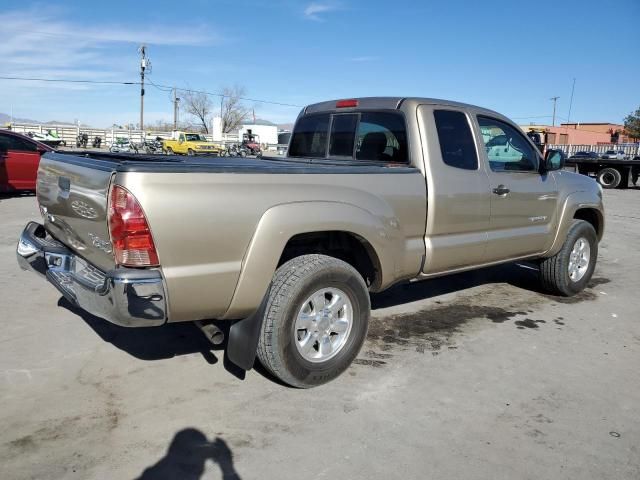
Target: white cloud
35,40
314,10
363,59
44,42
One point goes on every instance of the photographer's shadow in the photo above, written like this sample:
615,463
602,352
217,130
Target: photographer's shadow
186,457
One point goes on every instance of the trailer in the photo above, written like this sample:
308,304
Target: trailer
610,173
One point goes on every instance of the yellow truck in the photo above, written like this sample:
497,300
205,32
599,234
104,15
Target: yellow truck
190,144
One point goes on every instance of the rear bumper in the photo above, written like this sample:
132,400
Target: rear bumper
127,297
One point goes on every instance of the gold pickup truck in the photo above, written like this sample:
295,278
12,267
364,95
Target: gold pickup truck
372,192
191,144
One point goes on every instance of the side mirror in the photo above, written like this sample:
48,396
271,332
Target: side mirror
553,160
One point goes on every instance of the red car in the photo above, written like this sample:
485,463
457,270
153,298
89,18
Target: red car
19,159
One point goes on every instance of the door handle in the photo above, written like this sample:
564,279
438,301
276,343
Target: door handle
501,190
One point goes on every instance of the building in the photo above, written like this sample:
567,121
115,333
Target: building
579,133
266,131
614,130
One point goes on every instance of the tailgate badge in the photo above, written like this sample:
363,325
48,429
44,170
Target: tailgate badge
83,209
103,245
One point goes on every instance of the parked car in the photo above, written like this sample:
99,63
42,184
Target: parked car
19,159
372,192
613,155
582,155
191,144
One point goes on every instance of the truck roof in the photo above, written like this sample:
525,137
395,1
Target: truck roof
392,103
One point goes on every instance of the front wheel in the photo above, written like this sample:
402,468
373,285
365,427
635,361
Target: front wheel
316,320
568,272
191,153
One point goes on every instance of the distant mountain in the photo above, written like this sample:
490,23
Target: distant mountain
4,118
285,126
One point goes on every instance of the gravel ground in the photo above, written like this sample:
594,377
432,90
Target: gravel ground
478,376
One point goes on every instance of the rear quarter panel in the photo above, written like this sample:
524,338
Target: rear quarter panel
203,224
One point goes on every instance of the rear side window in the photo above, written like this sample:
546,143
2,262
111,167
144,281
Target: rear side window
456,141
310,137
373,136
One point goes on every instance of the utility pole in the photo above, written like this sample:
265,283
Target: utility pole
144,64
221,116
555,99
573,87
176,108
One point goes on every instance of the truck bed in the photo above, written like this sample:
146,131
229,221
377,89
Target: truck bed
123,162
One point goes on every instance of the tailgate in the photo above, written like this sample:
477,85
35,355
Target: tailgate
72,193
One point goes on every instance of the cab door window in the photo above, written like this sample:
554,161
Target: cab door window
507,149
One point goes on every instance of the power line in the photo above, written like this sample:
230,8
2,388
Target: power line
246,99
158,86
59,80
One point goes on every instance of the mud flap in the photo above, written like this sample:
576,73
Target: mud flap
243,338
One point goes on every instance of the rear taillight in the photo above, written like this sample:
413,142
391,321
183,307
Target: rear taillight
130,233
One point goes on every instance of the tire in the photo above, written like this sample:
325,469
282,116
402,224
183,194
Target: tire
169,151
280,347
555,271
191,153
609,177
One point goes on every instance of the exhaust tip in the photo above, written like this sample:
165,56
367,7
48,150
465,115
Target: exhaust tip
211,331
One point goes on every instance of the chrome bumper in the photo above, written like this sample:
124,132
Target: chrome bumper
125,296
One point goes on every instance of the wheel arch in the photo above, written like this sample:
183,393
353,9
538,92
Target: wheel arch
578,205
294,229
592,216
345,245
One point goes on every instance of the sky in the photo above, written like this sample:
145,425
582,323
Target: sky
508,55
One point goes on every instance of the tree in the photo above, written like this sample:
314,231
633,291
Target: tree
198,105
232,110
632,124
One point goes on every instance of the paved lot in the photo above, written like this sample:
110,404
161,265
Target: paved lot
474,376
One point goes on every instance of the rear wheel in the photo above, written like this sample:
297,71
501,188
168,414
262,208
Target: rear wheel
169,151
315,322
568,272
191,153
609,177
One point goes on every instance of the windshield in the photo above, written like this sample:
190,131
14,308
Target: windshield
194,137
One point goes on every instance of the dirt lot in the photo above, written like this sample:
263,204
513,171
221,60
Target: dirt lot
473,376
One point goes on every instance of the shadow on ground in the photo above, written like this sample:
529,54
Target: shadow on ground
425,329
18,194
186,457
152,343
